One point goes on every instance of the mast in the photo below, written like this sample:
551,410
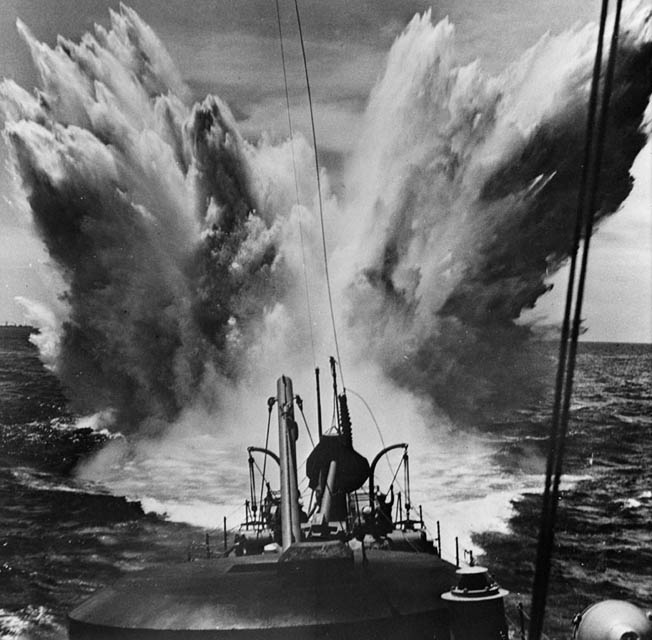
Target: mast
319,424
288,434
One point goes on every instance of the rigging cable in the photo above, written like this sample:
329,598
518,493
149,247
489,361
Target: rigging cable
371,413
568,347
271,401
321,207
299,402
373,417
296,184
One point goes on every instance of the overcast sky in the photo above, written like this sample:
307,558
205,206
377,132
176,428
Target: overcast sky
230,47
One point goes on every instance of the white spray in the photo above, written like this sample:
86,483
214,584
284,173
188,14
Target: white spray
177,241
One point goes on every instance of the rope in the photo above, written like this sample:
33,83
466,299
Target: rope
373,418
321,207
396,473
296,185
258,467
371,413
567,356
270,405
305,422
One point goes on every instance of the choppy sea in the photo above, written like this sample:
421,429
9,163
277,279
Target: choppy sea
62,537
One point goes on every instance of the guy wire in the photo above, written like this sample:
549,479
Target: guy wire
296,186
321,208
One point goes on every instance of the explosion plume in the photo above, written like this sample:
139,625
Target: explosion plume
176,239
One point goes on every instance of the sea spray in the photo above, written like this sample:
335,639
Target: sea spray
147,208
465,196
178,244
177,239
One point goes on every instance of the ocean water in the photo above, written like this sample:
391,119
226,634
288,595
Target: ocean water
603,533
179,241
63,537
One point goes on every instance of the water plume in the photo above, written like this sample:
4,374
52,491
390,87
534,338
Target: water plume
177,239
144,206
466,190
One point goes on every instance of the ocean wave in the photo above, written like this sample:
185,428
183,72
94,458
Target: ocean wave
197,513
44,481
31,623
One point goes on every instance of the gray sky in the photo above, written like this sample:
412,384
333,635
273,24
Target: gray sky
230,47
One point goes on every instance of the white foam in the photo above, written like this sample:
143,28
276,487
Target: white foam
30,623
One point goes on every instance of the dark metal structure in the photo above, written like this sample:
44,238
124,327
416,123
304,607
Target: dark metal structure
336,575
